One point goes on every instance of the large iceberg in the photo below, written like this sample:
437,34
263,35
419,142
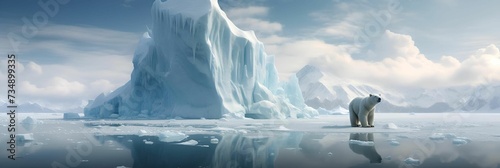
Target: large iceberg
195,63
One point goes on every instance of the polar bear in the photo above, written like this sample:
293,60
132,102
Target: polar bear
362,109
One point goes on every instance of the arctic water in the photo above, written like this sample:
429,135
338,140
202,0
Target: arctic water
397,140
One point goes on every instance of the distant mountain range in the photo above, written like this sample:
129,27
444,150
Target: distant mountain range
329,92
36,108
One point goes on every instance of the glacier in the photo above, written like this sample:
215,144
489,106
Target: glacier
193,63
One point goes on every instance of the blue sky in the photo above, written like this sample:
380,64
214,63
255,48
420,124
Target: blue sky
87,46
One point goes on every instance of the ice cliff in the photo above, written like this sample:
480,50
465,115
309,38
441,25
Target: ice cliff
195,63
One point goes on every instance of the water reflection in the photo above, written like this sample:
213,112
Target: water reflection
363,144
149,151
231,150
253,149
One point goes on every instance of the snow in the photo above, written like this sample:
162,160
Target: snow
189,143
362,143
148,142
195,63
394,143
412,161
437,136
214,141
390,126
459,141
171,136
142,132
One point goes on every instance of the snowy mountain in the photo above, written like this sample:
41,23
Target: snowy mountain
195,63
28,108
483,99
324,91
329,92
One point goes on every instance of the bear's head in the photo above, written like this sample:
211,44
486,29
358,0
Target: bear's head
375,99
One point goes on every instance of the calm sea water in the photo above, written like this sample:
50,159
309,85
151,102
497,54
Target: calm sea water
249,149
54,146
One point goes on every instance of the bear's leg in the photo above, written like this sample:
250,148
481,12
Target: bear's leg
363,118
354,119
370,119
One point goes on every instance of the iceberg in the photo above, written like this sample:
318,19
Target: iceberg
195,63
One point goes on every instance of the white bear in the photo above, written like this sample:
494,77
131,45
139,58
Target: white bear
362,110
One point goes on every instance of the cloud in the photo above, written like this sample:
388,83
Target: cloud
258,25
251,11
33,67
55,87
65,65
251,18
401,65
393,45
300,53
345,27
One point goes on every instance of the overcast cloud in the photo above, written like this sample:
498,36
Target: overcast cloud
420,47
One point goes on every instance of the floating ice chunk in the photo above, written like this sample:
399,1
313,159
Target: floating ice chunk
450,136
460,141
282,128
214,141
29,123
190,143
148,142
412,161
362,143
170,136
390,126
24,137
388,158
394,143
142,132
71,116
330,153
457,141
437,136
122,167
464,138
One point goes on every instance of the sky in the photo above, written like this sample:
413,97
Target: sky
73,50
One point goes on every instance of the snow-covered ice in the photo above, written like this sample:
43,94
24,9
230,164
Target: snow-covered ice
171,136
190,142
390,126
214,141
412,161
437,136
319,136
362,143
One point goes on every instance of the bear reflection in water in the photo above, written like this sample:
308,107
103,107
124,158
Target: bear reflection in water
363,144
